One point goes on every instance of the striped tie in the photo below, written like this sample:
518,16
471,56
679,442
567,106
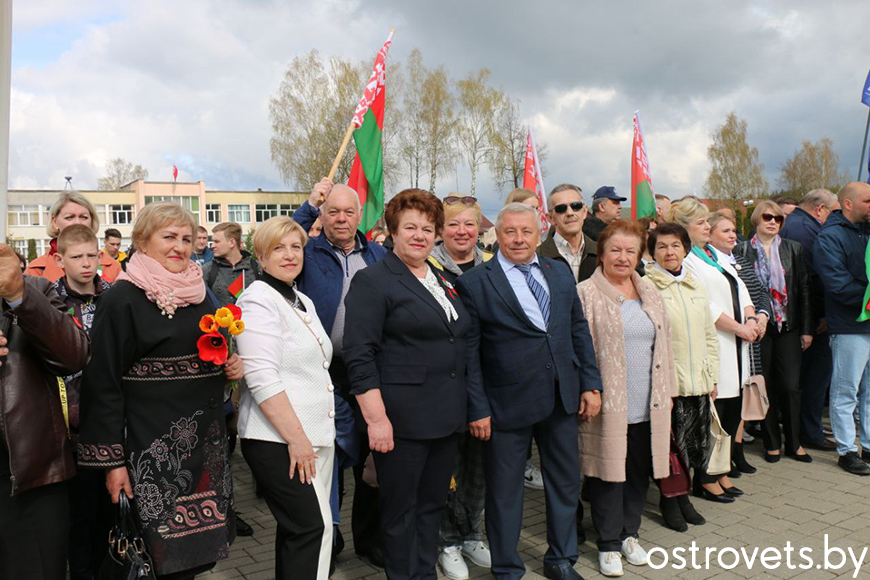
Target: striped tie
540,293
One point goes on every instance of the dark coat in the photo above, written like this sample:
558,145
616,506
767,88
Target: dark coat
219,275
799,311
513,366
321,276
839,259
804,229
43,343
397,339
592,227
548,249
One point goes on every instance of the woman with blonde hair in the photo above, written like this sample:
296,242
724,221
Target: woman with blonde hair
152,411
287,410
71,207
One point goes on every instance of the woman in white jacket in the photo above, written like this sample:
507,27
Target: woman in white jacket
736,325
287,410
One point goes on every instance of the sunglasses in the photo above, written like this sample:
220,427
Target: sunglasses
770,217
454,199
563,207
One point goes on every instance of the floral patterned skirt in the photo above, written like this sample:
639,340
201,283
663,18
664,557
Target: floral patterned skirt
690,421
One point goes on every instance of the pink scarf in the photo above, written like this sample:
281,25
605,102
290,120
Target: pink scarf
167,290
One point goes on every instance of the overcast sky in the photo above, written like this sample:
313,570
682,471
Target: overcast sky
166,82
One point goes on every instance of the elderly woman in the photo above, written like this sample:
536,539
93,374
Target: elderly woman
779,264
71,207
734,316
462,526
286,412
152,407
723,237
628,442
696,357
404,346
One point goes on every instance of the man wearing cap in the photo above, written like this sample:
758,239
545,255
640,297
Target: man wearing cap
606,205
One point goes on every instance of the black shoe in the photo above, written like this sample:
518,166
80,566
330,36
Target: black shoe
337,541
772,458
853,464
701,492
581,535
823,445
733,491
242,527
673,516
865,455
690,514
375,556
805,458
740,460
561,572
734,473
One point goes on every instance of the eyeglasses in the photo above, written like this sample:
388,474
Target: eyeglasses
563,207
767,217
454,199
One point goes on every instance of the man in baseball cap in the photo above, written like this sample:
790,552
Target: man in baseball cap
606,205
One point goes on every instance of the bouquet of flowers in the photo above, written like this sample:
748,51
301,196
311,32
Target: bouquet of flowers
219,329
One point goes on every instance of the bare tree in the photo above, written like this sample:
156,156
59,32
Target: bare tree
475,126
509,146
310,115
439,125
119,173
412,148
735,172
815,165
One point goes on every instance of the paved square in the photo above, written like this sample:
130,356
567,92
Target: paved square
786,501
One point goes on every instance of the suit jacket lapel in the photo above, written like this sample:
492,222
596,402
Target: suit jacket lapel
503,287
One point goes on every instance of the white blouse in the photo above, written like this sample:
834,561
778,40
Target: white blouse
430,282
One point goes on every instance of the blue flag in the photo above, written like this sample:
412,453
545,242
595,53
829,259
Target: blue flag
865,96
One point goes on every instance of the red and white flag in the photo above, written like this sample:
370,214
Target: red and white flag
533,180
174,173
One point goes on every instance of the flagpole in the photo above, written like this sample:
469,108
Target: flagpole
864,148
341,150
5,98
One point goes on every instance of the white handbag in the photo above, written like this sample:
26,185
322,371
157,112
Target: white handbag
720,445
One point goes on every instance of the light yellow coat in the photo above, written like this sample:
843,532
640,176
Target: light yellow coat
693,335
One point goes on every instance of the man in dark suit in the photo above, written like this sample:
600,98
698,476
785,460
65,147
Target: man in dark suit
567,243
531,370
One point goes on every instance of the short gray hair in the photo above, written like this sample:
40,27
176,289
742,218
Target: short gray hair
559,189
818,197
515,207
597,203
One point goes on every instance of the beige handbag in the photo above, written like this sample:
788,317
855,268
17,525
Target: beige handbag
720,444
755,401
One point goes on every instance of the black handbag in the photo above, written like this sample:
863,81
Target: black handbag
128,559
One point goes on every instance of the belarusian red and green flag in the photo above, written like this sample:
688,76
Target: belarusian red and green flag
367,173
865,311
237,286
643,202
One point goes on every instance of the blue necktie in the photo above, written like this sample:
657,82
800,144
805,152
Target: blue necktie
538,290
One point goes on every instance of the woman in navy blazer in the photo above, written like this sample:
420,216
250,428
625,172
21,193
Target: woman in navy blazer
404,346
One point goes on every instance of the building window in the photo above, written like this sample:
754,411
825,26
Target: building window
188,202
20,246
213,213
239,213
24,215
121,214
270,210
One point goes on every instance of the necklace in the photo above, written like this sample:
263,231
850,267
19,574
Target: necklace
306,320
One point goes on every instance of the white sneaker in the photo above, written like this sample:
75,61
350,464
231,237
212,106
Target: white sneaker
610,563
632,551
452,564
533,478
478,553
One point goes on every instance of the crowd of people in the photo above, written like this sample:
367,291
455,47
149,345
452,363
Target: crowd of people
429,363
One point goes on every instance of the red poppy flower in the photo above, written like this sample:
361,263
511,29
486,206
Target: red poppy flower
212,347
237,312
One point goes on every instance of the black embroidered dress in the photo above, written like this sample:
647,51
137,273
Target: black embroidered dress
150,403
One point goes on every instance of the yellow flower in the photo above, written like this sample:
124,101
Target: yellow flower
237,327
208,324
224,317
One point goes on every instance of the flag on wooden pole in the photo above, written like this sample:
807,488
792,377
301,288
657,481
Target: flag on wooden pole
643,202
533,180
367,173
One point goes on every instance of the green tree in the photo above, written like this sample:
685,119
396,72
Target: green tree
31,250
735,172
439,125
119,173
249,241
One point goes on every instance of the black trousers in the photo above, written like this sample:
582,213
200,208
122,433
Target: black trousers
296,507
90,520
365,519
34,531
414,479
730,414
818,364
504,461
781,361
617,506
